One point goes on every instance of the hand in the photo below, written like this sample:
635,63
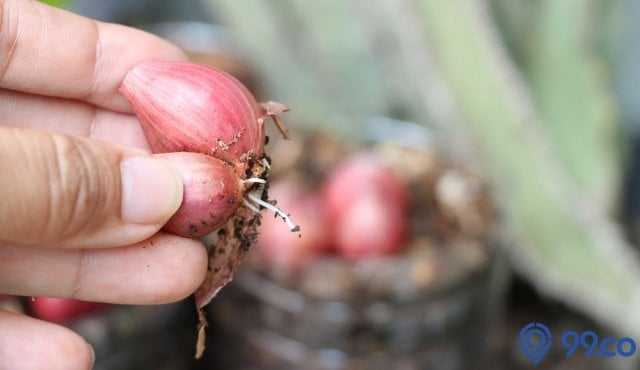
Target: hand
81,198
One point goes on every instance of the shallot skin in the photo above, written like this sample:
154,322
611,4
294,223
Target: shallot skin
212,193
190,107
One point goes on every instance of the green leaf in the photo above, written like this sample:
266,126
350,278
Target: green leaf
56,3
564,242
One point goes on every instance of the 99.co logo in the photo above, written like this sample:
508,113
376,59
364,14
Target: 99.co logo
607,347
536,339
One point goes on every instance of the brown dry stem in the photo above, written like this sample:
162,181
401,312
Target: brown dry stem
228,252
274,110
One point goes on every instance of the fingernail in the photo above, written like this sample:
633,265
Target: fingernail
93,355
151,190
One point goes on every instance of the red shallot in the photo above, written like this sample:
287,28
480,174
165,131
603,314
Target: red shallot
212,129
367,204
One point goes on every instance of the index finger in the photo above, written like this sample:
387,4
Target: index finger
49,51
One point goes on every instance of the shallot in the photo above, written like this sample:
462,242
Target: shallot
367,204
62,310
212,129
212,193
190,107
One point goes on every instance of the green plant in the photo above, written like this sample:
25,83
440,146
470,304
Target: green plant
526,83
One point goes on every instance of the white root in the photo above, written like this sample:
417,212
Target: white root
266,164
256,200
254,180
250,205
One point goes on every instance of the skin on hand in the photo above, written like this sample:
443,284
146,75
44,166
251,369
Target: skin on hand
27,343
82,198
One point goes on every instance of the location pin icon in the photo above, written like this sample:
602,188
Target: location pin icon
535,340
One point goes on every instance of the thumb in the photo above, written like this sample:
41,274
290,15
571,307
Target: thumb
69,191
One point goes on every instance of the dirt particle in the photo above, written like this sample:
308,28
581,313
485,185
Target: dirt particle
235,138
222,144
192,229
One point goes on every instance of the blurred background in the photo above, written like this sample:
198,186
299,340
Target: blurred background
512,123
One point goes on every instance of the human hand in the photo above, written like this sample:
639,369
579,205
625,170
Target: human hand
81,198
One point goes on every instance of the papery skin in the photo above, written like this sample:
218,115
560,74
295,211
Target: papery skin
190,107
212,193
